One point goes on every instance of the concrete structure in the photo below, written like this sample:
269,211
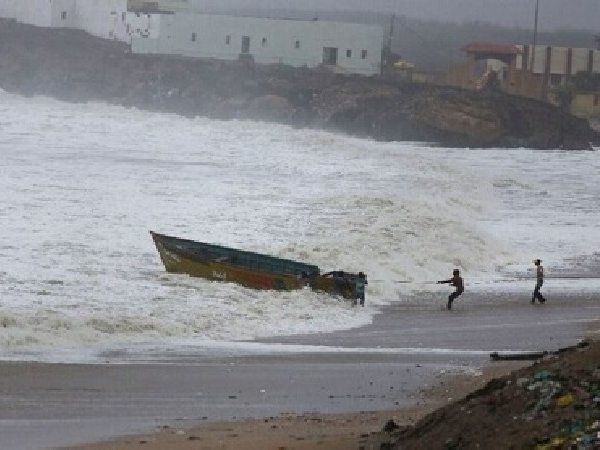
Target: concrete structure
154,6
347,48
102,18
558,64
511,65
586,104
106,19
42,13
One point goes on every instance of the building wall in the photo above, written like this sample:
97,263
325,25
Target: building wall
140,25
586,104
295,43
163,5
33,12
8,9
106,19
580,60
558,60
101,18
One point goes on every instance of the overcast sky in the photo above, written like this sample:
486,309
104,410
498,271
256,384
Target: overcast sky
573,14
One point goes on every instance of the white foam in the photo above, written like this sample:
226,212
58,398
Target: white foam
83,183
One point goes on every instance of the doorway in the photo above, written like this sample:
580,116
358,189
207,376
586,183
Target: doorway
245,44
330,56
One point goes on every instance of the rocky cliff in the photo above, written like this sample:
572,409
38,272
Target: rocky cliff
73,66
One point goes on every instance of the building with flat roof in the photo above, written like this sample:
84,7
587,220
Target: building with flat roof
344,47
108,19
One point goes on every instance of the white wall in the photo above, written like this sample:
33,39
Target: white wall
279,45
580,60
8,9
102,18
105,19
33,12
143,25
558,61
41,13
63,14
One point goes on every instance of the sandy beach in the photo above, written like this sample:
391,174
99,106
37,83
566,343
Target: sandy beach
398,367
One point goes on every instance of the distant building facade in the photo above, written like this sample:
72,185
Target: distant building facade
108,19
174,27
521,69
345,47
557,64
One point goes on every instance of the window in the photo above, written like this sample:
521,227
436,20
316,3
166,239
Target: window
123,16
193,37
228,39
596,99
297,45
348,53
363,54
263,43
63,15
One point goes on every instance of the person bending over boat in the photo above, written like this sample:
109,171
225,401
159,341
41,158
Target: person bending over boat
458,283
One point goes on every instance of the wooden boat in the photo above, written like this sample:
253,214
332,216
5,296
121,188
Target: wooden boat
254,270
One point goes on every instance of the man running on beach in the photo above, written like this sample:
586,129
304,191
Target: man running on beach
540,282
457,282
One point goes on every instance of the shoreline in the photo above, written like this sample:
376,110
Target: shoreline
59,405
366,429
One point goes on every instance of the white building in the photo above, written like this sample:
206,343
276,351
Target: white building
108,19
172,27
346,47
42,13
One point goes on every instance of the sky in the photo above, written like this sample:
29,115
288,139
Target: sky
554,14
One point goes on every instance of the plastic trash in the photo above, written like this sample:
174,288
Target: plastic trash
542,375
564,401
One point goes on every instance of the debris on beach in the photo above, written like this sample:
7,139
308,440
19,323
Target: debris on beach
552,404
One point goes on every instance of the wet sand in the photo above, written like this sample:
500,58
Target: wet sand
384,366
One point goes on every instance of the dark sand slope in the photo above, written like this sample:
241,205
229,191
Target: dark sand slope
50,405
550,405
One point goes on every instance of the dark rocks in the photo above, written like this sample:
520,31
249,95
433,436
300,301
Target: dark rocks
390,426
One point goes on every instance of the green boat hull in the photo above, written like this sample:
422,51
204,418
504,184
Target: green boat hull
248,269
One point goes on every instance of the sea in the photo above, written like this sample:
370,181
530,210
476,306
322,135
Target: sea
82,184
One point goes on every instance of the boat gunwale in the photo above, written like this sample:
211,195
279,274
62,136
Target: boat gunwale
312,270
